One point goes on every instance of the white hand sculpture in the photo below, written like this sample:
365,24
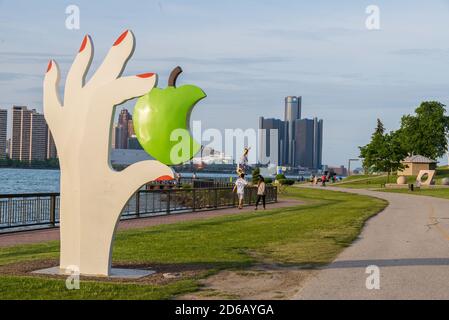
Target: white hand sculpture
93,195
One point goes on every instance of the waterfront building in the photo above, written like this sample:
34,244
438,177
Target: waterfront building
272,141
51,146
124,130
293,105
133,143
299,141
3,132
20,139
309,143
38,137
30,136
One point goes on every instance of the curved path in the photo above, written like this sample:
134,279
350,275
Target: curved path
408,242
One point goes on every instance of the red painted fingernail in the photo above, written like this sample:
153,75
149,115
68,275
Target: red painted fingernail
164,178
83,45
145,75
121,38
50,64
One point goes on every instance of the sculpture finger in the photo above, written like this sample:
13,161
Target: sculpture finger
77,74
125,88
52,101
115,61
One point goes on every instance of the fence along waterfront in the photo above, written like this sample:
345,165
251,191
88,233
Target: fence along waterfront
31,211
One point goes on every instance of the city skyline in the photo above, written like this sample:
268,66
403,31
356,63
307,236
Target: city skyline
30,140
295,141
348,74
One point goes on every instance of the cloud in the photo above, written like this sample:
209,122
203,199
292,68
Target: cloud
33,57
421,52
9,76
219,61
318,34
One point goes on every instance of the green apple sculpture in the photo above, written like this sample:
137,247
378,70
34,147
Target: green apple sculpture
162,111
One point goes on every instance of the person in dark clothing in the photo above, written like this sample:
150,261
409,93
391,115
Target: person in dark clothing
261,194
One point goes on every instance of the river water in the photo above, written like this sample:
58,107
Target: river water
15,181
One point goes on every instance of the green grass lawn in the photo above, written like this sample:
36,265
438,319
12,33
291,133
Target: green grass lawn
376,182
364,181
311,234
434,192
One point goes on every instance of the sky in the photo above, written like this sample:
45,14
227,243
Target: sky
247,55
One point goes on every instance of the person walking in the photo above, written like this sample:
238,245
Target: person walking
178,179
239,186
261,192
312,179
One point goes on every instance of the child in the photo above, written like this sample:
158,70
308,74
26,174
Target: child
261,192
239,186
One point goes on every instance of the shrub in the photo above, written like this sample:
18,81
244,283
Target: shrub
286,182
256,175
280,177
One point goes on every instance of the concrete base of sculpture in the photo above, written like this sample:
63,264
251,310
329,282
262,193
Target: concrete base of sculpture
116,273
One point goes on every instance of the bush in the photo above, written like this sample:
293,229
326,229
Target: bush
281,177
286,182
268,180
256,175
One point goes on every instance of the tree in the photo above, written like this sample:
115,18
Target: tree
380,129
426,132
384,153
256,176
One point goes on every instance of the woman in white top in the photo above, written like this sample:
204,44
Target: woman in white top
240,185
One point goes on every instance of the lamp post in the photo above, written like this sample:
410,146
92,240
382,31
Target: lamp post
349,165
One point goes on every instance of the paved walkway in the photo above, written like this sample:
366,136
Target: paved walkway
44,235
408,241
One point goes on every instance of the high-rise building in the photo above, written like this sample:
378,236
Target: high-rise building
20,139
29,135
272,130
38,137
3,132
133,143
52,153
293,105
124,130
309,143
120,134
299,141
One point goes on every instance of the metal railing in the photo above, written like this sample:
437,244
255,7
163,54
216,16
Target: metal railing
194,182
31,211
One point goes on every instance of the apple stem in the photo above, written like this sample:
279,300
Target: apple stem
174,76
